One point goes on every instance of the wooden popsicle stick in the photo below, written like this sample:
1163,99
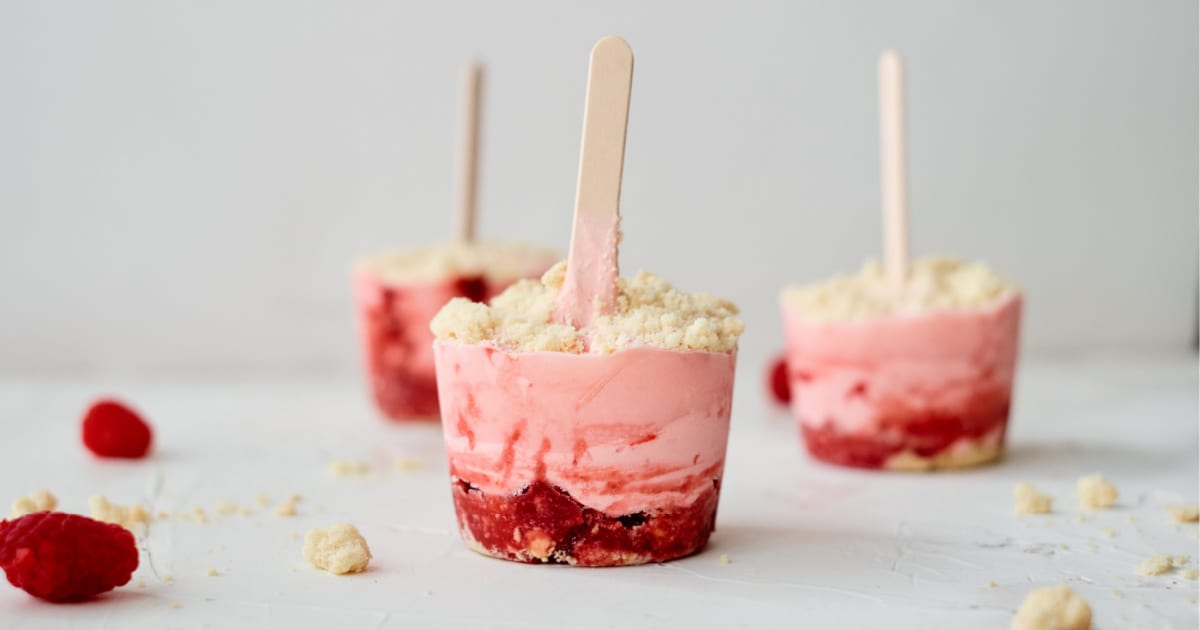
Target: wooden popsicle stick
589,288
892,154
468,151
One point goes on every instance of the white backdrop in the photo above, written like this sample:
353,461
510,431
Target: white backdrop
183,184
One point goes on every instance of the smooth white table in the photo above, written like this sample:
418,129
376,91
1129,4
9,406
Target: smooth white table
810,546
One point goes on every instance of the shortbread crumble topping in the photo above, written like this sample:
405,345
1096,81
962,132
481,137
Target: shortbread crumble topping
648,312
935,283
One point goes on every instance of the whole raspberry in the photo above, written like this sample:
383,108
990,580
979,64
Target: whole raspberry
781,389
111,429
65,557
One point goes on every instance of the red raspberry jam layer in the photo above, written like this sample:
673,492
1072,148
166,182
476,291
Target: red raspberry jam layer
925,434
542,523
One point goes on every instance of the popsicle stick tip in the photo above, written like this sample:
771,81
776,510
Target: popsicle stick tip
612,46
894,169
468,169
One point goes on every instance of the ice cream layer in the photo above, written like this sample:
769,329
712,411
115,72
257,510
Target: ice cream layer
649,312
868,374
935,283
495,262
634,431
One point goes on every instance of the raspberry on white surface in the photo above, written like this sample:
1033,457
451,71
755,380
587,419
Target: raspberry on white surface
338,549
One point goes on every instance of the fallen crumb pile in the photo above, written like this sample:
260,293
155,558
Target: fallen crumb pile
1030,501
37,501
124,515
1185,513
338,549
1094,492
1053,608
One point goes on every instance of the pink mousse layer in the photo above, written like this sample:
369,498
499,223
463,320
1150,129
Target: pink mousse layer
862,376
638,430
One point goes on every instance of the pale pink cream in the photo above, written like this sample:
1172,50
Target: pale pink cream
637,430
851,374
590,286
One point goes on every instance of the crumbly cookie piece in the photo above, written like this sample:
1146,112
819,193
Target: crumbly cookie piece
287,507
1154,565
126,516
1094,492
37,501
338,549
1053,608
1185,513
1030,501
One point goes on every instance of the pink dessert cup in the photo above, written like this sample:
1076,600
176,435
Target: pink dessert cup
924,391
584,459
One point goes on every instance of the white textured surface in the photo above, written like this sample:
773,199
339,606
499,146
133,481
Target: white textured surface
810,546
230,158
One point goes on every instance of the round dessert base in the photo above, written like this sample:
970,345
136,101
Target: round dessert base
543,524
909,453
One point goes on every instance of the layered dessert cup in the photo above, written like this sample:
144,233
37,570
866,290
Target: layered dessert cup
398,293
598,446
916,377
